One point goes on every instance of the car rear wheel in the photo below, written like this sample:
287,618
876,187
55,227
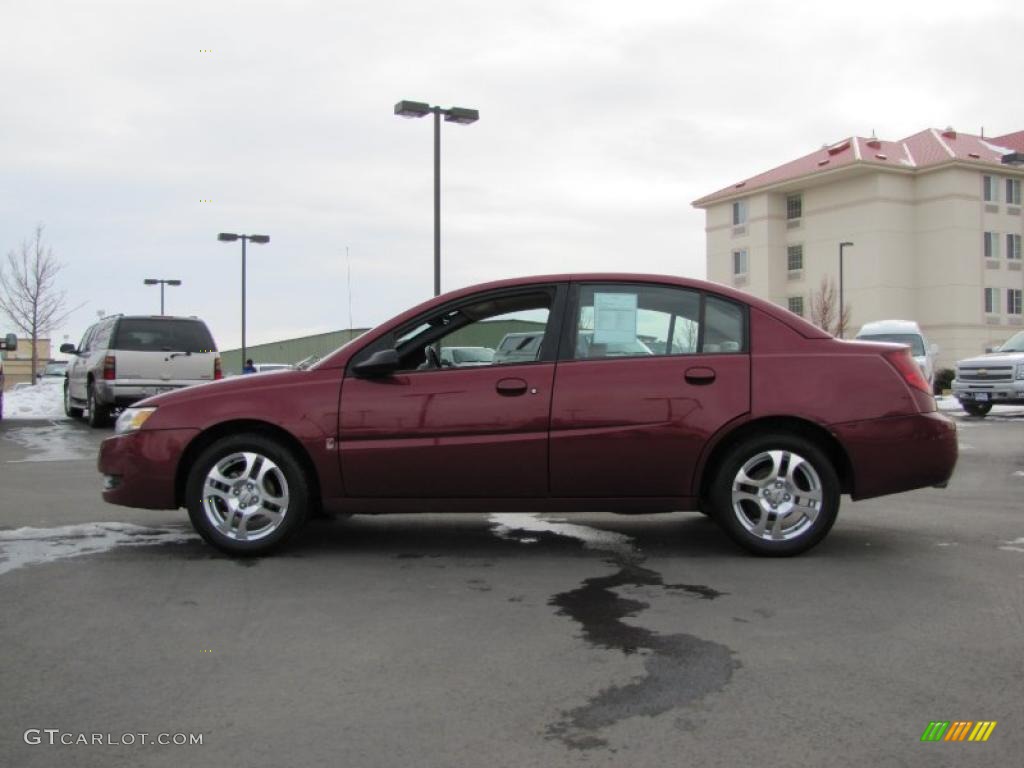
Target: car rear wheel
99,415
776,494
69,409
977,409
246,494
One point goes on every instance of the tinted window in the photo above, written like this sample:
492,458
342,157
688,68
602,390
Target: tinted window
146,335
724,328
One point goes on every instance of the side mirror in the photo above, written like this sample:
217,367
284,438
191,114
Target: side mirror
989,350
9,342
68,349
383,362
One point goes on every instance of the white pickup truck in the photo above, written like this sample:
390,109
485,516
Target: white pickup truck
995,378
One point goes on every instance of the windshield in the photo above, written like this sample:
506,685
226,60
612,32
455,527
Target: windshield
912,340
1014,344
146,335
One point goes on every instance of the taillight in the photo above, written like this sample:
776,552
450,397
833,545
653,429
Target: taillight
217,372
904,364
109,368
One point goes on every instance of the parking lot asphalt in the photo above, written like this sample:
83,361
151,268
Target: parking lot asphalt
510,640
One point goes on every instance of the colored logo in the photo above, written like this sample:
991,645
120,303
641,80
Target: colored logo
958,730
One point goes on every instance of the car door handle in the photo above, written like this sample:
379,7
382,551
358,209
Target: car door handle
699,375
511,387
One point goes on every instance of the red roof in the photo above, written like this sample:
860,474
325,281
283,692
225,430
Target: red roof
930,147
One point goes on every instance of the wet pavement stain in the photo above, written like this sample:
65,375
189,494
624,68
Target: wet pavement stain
679,668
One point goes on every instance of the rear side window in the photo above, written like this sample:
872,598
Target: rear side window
145,335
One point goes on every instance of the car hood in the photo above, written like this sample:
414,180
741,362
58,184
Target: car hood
229,387
996,358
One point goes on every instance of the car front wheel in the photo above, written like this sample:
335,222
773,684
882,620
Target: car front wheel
977,409
776,494
246,494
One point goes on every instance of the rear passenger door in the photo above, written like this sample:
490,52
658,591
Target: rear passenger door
647,373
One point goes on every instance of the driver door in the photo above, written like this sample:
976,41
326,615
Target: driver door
438,429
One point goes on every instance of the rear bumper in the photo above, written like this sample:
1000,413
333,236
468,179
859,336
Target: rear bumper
139,468
121,394
899,454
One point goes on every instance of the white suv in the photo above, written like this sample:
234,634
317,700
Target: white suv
904,332
123,359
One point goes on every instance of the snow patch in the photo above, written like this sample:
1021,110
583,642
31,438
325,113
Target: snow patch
53,443
1017,545
34,546
45,400
996,148
506,524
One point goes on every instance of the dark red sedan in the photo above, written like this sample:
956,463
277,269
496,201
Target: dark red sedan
605,392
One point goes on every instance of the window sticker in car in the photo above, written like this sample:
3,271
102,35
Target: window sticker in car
614,318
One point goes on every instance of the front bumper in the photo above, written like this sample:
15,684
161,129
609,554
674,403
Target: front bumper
899,454
1005,392
140,467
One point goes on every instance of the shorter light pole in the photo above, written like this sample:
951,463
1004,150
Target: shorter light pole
230,237
842,325
162,282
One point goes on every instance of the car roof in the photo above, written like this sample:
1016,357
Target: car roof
890,326
801,326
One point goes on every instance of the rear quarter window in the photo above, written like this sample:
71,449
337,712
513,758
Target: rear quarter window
144,335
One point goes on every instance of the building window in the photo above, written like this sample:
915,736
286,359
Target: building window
1013,246
739,212
794,206
991,245
990,189
796,305
1013,301
1013,191
991,301
739,262
795,258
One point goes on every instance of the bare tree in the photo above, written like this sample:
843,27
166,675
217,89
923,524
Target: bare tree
825,311
29,295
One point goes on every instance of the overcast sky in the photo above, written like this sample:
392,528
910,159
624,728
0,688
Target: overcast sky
600,122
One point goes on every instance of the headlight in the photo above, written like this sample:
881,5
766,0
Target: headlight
132,419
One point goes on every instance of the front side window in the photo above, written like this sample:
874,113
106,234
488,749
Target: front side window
796,305
739,262
990,189
1013,301
991,245
739,212
1013,246
794,206
795,258
1013,191
991,301
648,320
498,330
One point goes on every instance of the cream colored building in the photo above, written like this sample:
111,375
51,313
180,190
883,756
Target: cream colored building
936,225
18,363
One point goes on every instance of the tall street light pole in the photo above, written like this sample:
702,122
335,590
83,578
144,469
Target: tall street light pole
230,237
162,282
842,325
459,115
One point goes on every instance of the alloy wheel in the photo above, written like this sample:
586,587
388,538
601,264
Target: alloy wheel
245,496
777,495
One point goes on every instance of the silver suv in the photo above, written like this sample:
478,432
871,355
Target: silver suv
123,359
996,378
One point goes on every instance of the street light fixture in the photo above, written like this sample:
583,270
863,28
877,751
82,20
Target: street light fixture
162,282
230,237
460,116
842,325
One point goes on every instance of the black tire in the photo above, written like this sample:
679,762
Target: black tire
99,415
795,526
70,410
217,511
977,409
